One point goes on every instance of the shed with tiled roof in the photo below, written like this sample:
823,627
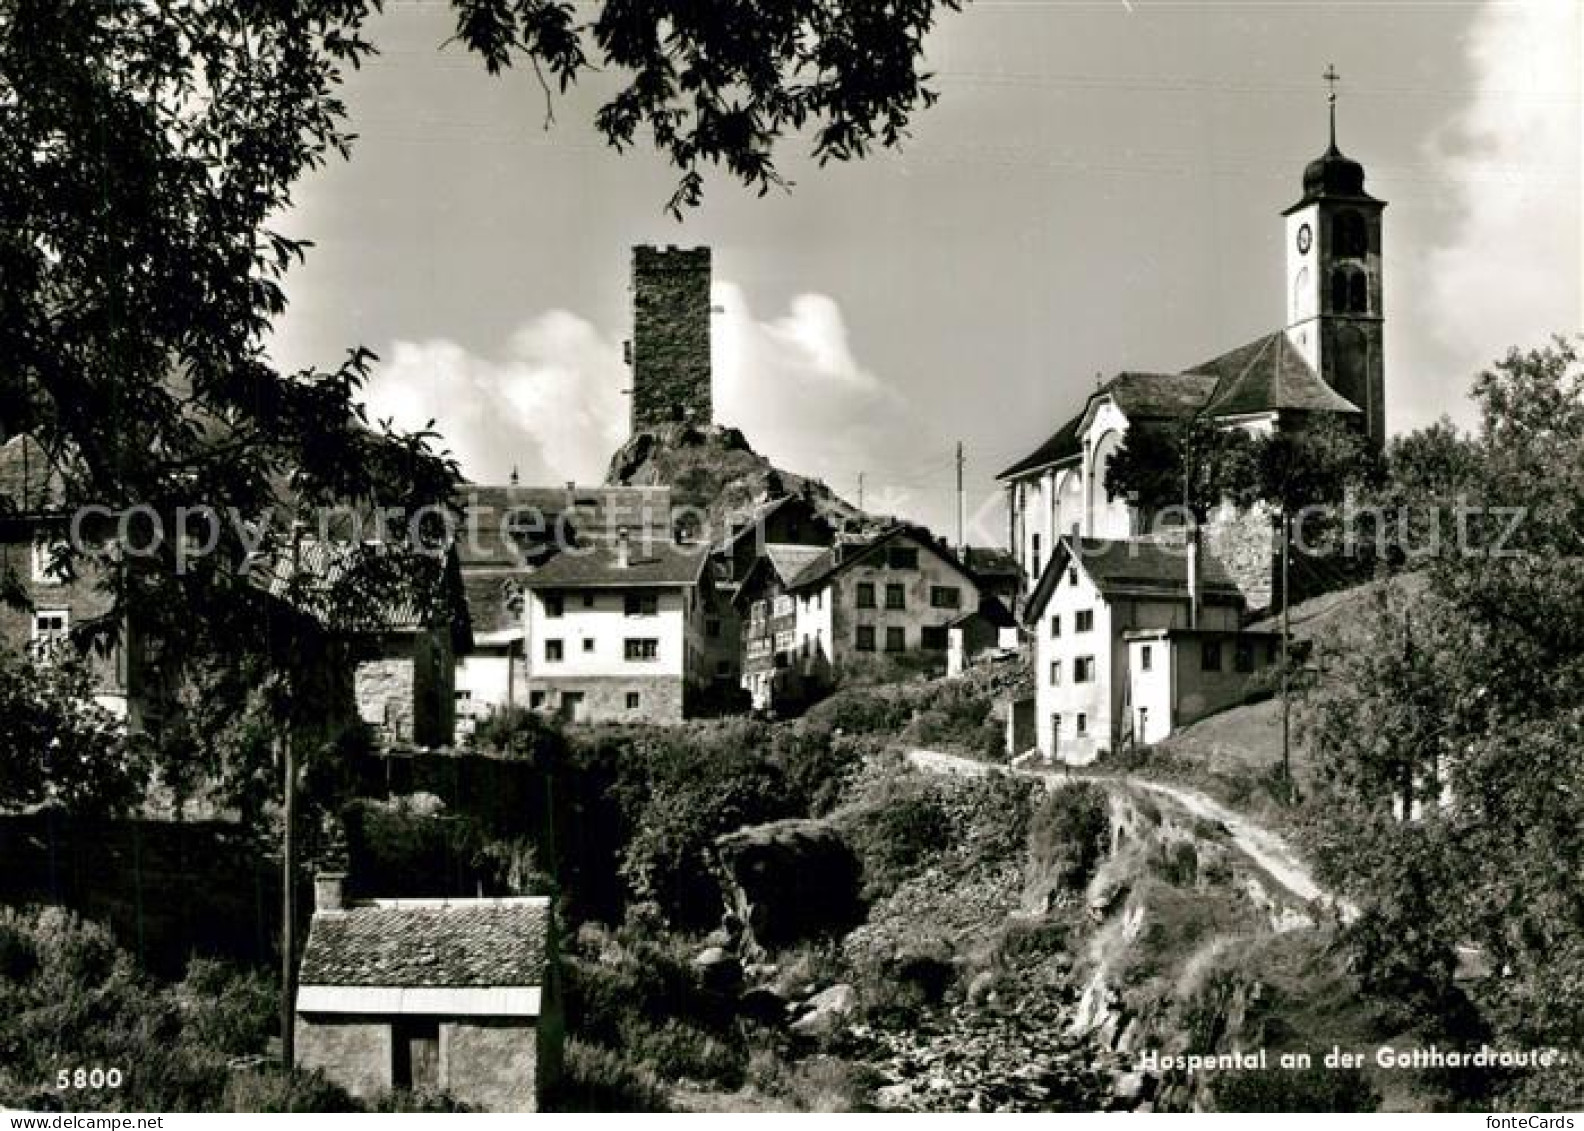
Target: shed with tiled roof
440,995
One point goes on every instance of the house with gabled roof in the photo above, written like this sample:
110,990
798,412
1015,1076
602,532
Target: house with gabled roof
1133,639
508,532
1325,360
451,996
47,607
895,593
767,613
619,632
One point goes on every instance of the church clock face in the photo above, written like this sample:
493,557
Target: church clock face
1305,239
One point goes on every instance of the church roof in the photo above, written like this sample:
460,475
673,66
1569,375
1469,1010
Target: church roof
1140,396
1160,396
1268,375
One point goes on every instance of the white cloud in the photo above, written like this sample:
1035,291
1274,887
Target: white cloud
1508,272
794,387
551,405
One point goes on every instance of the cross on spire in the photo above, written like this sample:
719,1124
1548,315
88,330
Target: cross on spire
1332,78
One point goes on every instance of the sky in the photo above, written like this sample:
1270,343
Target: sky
1099,188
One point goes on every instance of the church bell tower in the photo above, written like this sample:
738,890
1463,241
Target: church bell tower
1335,314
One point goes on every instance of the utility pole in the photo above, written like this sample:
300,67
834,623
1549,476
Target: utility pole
1286,633
962,500
289,848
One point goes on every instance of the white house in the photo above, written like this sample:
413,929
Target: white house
509,532
1132,639
619,632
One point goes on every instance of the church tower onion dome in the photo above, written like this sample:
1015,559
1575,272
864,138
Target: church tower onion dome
1333,174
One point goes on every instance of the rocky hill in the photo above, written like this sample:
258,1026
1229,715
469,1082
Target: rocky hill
715,470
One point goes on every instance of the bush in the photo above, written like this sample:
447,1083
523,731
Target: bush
594,1078
698,784
896,829
69,997
1069,834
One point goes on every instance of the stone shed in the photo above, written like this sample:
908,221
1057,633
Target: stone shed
442,995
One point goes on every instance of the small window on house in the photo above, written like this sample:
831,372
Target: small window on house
554,605
44,554
641,649
933,638
1072,572
1034,557
588,645
866,595
1055,625
896,596
634,700
1083,620
536,699
1210,656
896,639
1083,724
588,600
50,627
1055,673
902,557
1055,731
641,605
865,639
945,597
1146,658
1084,669
1243,656
555,651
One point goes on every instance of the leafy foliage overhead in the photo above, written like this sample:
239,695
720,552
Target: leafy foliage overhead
719,83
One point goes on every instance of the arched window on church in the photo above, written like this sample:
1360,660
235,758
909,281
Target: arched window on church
1352,235
1339,289
1358,292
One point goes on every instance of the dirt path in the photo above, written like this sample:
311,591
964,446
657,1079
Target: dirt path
1259,844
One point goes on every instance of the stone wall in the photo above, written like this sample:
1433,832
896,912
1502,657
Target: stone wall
671,379
406,689
661,699
1248,545
491,1064
355,1052
384,689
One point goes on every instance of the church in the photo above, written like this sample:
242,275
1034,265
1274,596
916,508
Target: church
1326,358
1136,632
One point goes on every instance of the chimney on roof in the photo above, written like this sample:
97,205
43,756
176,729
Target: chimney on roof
623,549
330,891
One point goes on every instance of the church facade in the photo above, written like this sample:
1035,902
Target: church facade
1326,359
1137,628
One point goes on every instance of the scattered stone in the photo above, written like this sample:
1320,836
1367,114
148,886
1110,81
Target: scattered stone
717,968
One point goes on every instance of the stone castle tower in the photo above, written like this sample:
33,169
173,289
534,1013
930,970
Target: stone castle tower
670,348
1335,311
